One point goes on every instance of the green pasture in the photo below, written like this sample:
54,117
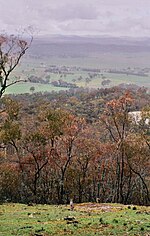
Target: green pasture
104,61
25,88
86,220
116,79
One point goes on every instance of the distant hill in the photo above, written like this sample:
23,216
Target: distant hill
85,46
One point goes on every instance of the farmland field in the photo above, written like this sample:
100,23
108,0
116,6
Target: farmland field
82,59
86,220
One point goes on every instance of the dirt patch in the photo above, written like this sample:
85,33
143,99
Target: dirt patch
89,207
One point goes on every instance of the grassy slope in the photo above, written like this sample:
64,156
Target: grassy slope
90,219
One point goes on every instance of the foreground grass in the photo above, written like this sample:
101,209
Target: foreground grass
86,220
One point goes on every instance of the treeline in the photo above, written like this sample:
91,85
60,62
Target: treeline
52,148
87,103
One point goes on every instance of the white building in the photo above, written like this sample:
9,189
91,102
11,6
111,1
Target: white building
136,117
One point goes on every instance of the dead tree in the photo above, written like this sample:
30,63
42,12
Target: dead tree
12,49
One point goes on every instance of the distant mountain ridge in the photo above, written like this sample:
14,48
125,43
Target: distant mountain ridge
95,39
84,46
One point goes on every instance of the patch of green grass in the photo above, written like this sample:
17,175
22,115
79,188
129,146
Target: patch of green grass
19,219
25,88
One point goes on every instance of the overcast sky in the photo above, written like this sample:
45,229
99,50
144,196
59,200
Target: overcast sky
77,17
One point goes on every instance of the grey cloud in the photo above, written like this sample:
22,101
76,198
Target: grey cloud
115,17
67,12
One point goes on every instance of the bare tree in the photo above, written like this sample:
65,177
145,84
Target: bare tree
12,49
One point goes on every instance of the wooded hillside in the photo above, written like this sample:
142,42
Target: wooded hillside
81,145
